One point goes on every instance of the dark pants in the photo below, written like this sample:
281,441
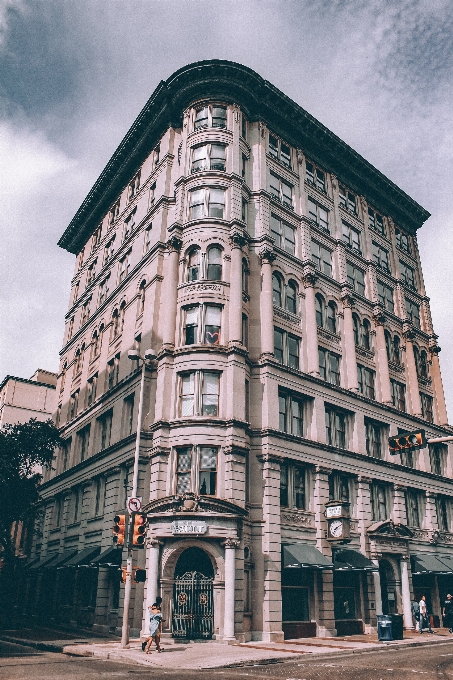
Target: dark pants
425,623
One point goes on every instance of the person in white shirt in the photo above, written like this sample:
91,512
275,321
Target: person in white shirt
424,618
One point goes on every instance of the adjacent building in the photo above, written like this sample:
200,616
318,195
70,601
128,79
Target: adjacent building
276,275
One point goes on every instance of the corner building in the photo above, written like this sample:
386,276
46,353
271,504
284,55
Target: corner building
276,275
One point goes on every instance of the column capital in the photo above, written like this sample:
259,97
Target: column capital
309,276
362,479
270,458
237,239
376,555
300,156
408,330
405,558
323,470
347,297
432,344
153,543
400,487
334,180
231,543
364,202
267,254
378,315
174,243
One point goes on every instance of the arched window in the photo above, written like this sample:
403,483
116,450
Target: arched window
291,298
319,307
388,345
79,360
193,269
245,277
276,290
214,264
115,324
396,350
356,328
331,317
366,334
141,298
423,371
122,313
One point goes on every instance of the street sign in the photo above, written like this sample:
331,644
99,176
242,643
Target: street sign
134,504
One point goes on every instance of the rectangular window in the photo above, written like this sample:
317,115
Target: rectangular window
356,278
322,258
286,348
199,393
103,291
379,502
315,176
374,438
366,379
70,328
381,257
210,329
210,394
129,225
335,427
128,415
112,371
148,233
244,210
244,127
398,395
413,313
91,273
402,241
191,326
152,195
413,508
96,238
376,221
108,251
245,330
211,116
105,430
281,191
290,413
114,212
318,214
438,458
73,404
443,513
209,157
407,275
283,234
351,238
208,202
299,487
183,470
65,453
133,187
85,312
427,407
284,485
385,296
212,325
347,200
99,496
187,394
329,366
279,151
208,471
339,487
91,389
125,263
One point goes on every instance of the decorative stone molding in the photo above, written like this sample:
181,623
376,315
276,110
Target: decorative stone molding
262,128
267,254
237,239
270,458
347,298
365,353
309,279
397,368
422,534
426,382
433,346
151,542
435,538
328,335
378,315
299,156
408,331
323,470
287,316
174,243
231,543
306,520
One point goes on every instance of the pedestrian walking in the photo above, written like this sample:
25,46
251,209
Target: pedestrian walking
424,618
155,619
416,614
447,613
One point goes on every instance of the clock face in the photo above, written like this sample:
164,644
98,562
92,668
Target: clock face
336,528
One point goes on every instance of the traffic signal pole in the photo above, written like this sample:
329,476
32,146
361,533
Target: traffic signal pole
128,585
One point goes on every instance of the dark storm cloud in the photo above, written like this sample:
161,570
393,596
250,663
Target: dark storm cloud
75,74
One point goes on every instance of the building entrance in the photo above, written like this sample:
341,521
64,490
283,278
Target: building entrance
193,601
388,588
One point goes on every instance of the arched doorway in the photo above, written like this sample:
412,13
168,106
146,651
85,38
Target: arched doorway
193,602
388,587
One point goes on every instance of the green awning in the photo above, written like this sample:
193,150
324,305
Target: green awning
447,560
109,558
429,564
60,559
84,557
43,561
303,555
352,560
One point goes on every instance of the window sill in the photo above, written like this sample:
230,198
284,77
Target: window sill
73,525
95,519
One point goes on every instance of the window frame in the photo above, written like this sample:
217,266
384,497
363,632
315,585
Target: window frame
208,157
311,177
380,260
208,209
346,198
384,299
314,214
347,238
280,195
357,285
210,117
398,400
374,438
286,349
281,234
373,216
319,259
335,437
199,407
286,418
279,155
366,379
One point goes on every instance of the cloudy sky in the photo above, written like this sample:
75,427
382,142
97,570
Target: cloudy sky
75,74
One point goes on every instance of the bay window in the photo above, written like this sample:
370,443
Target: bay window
199,393
209,157
196,470
206,202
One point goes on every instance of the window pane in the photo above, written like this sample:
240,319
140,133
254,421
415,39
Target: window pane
212,325
290,241
273,146
201,118
287,191
299,487
310,173
210,394
322,363
284,485
218,156
216,202
199,158
276,230
197,204
285,155
282,412
323,218
276,290
312,210
293,352
334,369
296,417
291,305
278,345
274,187
218,116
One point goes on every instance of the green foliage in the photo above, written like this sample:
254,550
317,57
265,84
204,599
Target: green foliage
25,448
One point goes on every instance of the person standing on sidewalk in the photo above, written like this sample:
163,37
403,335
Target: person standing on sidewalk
447,613
416,614
424,618
155,618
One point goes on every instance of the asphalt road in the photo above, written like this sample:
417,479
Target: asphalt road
429,663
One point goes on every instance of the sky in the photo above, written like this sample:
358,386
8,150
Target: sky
74,74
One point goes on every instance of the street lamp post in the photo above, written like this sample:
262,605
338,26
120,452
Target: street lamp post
134,356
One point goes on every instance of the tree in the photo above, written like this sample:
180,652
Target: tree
25,448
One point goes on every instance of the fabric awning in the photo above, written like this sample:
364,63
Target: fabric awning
429,564
304,555
352,560
447,560
60,559
109,558
43,561
84,557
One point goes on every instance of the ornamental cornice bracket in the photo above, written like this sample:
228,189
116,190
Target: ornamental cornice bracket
267,254
231,543
432,344
270,458
174,243
237,238
347,297
299,156
408,330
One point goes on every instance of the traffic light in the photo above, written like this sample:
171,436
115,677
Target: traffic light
407,441
138,529
118,529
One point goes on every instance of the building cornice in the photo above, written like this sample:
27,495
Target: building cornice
261,101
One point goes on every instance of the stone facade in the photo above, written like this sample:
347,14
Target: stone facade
276,275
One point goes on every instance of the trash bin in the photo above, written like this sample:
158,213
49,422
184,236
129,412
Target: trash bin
384,628
397,626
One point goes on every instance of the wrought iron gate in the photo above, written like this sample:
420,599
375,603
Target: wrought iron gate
193,607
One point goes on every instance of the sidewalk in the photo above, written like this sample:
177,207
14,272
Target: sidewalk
213,654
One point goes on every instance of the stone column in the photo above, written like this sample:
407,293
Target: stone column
439,396
381,356
152,573
411,371
363,509
267,308
431,512
311,328
230,576
326,626
377,584
271,546
349,343
237,241
170,293
406,593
